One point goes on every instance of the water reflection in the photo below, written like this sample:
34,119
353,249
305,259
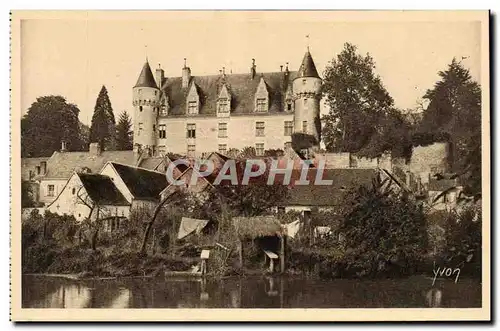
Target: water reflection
255,292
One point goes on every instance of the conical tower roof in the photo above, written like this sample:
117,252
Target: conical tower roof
146,78
307,68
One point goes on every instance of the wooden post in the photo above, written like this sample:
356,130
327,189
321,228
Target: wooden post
282,254
240,250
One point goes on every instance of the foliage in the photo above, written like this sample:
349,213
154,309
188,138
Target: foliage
124,133
382,231
273,152
49,121
464,238
357,100
102,129
454,115
302,141
27,199
254,199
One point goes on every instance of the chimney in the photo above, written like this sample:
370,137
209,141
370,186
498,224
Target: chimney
186,75
94,149
160,76
43,168
281,68
63,146
253,69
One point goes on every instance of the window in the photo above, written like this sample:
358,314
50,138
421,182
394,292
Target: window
73,191
38,170
154,128
191,130
191,150
305,102
222,130
50,190
259,149
223,148
140,91
288,145
156,92
305,152
140,129
288,128
259,129
140,108
289,105
304,81
161,150
223,105
261,105
192,107
304,126
162,131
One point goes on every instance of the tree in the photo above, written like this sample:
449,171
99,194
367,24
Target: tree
27,199
356,98
102,129
123,133
383,231
49,121
454,116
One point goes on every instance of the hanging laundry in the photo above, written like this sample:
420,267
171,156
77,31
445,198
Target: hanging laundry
190,225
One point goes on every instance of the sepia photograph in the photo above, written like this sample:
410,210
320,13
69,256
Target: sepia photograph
250,165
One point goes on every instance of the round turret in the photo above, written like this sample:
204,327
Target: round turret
146,101
307,95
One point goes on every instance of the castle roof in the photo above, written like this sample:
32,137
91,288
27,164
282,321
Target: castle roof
146,78
307,68
242,89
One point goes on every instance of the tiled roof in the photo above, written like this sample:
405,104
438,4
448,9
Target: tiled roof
329,195
102,190
155,163
62,165
142,183
30,163
307,68
146,78
242,89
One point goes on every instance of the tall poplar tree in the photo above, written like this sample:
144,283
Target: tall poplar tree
102,129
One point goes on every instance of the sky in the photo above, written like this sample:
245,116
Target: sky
74,55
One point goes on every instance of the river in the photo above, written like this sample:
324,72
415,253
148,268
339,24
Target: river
249,292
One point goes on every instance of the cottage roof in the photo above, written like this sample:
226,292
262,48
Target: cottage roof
142,183
146,78
329,195
441,185
242,86
63,164
155,163
307,68
257,226
102,190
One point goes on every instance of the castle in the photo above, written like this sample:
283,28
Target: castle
192,115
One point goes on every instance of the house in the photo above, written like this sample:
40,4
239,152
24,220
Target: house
304,198
61,166
32,170
443,194
90,196
140,187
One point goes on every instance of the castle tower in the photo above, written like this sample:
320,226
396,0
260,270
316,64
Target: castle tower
146,101
307,96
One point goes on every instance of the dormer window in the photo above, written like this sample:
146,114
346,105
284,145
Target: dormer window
261,105
192,107
193,101
262,97
223,105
